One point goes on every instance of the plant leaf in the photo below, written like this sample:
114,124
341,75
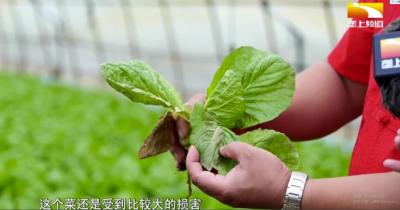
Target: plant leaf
267,81
275,142
208,137
225,103
161,138
140,83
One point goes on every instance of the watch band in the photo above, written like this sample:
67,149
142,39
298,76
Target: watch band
294,192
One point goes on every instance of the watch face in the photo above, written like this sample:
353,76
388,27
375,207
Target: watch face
387,54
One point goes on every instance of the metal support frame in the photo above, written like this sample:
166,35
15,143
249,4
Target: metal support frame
19,33
173,47
269,26
36,7
330,21
97,37
4,45
297,35
215,25
68,42
15,39
130,26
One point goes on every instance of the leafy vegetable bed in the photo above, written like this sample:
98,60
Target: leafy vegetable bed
61,141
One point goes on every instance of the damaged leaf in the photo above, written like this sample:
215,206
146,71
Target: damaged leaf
161,138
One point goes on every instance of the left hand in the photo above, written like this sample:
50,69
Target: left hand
258,181
183,126
390,163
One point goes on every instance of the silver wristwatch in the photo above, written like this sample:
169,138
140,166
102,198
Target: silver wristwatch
294,192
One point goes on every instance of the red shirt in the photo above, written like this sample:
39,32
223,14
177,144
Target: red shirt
352,58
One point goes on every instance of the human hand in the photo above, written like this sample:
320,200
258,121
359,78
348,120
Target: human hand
258,181
183,129
390,163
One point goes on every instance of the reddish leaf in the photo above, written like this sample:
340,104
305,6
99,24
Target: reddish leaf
161,138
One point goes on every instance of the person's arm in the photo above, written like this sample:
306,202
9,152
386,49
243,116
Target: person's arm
260,180
323,101
371,191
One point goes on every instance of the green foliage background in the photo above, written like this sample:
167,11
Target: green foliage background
59,141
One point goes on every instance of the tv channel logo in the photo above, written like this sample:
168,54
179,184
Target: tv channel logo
394,1
390,48
364,10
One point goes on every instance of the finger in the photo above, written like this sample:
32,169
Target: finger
397,142
398,132
210,183
193,161
392,164
199,97
237,151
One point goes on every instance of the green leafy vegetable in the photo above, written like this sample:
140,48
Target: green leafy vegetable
208,137
267,81
249,88
140,83
225,103
276,143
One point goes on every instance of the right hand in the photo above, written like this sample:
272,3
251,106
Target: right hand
259,180
183,126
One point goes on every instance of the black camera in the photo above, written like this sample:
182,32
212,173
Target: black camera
386,54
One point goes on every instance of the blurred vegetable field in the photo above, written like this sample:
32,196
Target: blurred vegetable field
59,141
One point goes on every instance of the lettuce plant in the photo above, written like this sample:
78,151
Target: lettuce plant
250,87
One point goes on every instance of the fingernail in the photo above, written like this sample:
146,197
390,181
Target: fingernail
192,147
397,139
221,150
389,162
397,142
386,163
